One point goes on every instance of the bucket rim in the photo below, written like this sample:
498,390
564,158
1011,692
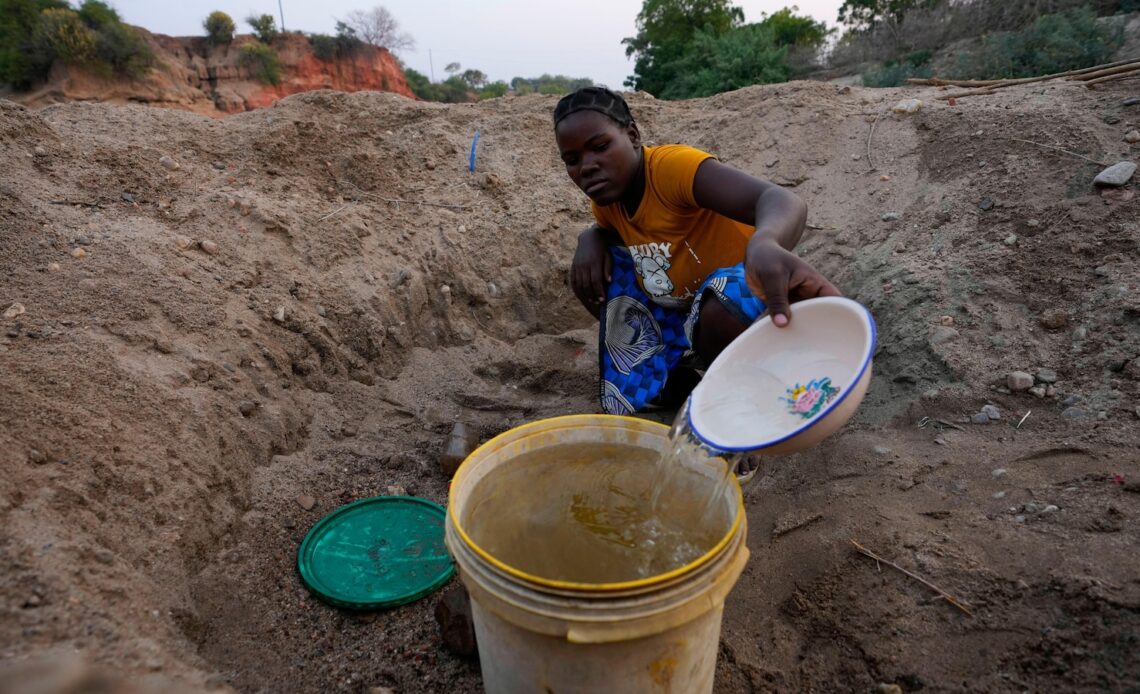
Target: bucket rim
569,421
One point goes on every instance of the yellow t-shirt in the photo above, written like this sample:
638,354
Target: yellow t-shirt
675,243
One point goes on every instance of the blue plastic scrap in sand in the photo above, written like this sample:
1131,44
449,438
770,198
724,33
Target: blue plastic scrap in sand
471,162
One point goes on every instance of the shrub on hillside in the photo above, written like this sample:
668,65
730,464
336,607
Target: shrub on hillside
62,35
264,27
219,28
1054,43
122,49
262,63
896,73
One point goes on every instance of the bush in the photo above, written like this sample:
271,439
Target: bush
895,74
1054,43
219,28
62,35
264,27
324,46
97,14
19,64
122,49
712,64
262,63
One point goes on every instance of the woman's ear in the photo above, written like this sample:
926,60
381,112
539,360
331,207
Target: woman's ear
634,134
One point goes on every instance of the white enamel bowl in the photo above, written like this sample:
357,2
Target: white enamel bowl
781,390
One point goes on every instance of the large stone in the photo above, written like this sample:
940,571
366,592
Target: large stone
1115,175
1018,381
456,628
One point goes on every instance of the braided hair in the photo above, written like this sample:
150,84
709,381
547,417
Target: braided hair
597,99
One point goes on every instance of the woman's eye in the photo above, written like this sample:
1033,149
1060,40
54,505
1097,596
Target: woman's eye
601,147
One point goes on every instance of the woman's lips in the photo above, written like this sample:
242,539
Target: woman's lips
596,187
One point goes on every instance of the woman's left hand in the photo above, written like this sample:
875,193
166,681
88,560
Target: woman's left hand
779,277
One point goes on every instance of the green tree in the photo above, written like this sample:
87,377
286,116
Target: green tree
98,15
122,49
494,90
219,28
715,63
863,15
474,79
664,30
19,66
420,85
264,27
788,29
62,35
262,62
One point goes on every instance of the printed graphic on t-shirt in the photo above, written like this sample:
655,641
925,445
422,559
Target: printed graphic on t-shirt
652,263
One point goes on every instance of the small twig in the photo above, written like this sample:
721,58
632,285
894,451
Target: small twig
1023,419
1063,151
396,201
941,593
870,136
75,202
330,214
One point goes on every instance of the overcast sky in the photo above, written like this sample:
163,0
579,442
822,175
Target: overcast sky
503,38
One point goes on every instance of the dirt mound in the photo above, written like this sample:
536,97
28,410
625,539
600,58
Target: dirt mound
222,317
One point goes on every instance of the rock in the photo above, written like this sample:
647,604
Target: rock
1074,413
104,556
79,253
1032,223
1132,137
209,247
1080,333
999,495
1032,507
348,431
53,267
82,240
980,418
1115,175
247,407
1010,240
999,473
381,690
1102,416
1037,391
492,289
882,450
306,501
991,412
1050,391
1046,376
169,164
1054,319
891,216
1019,519
1072,400
163,345
939,440
1018,381
14,310
321,311
220,166
456,628
907,106
39,151
397,490
943,334
1111,118
946,320
986,204
884,178
885,688
279,314
183,242
445,292
37,456
1050,509
399,279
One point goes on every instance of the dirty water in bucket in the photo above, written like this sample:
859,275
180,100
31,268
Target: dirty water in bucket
602,512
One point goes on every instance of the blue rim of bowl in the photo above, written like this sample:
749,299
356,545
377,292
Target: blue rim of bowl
830,406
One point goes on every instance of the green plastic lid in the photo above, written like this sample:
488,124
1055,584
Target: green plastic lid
380,552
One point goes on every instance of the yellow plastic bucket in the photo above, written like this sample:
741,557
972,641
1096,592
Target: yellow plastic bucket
658,634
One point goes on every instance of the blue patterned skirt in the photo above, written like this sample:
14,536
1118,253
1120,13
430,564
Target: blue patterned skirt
641,342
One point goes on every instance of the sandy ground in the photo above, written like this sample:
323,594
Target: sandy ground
168,404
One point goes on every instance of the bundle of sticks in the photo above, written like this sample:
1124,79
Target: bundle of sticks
1091,76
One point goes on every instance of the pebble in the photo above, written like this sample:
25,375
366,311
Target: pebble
492,289
306,501
164,345
183,242
998,474
1010,240
39,151
453,615
980,418
991,412
53,267
1072,400
1032,507
1074,413
882,450
1050,391
104,556
247,407
1032,223
1019,519
885,688
33,601
445,292
946,320
37,456
1080,333
1102,415
321,311
1037,391
986,204
1046,376
1018,381
1055,319
82,240
891,216
209,247
14,310
169,163
397,490
78,253
999,495
884,178
220,166
1115,175
1111,118
1050,509
279,314
940,441
1132,137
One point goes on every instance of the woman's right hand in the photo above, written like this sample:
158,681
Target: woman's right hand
590,271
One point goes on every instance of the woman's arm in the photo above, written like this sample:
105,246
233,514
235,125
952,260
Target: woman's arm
774,273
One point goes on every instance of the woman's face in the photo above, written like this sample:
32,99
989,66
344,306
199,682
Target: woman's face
601,156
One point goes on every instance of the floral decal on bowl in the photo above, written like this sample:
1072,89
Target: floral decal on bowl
807,400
